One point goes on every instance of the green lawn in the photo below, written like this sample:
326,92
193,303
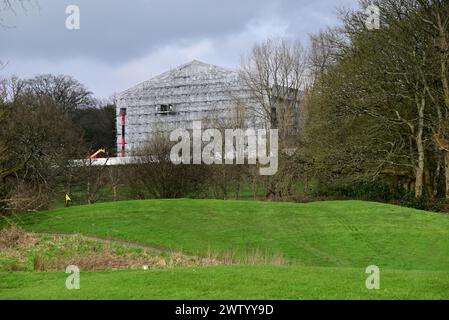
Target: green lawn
242,283
326,245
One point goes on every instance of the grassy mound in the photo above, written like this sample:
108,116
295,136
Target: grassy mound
284,250
325,234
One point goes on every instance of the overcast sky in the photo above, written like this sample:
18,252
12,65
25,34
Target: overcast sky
121,43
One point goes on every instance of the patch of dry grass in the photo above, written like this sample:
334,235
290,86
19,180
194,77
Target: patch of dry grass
22,251
251,257
108,260
13,237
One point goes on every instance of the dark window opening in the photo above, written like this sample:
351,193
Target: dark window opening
165,109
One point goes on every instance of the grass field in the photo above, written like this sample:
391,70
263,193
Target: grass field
238,282
319,250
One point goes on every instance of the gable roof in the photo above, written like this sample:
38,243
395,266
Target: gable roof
191,72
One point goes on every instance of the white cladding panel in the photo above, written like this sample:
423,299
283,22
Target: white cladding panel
194,91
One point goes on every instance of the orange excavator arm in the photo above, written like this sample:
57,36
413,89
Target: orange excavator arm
96,154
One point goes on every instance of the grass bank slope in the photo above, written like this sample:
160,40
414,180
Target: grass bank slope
339,234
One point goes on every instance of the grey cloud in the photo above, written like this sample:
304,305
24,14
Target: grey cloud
115,30
124,42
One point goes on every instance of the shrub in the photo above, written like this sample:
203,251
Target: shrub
382,192
12,237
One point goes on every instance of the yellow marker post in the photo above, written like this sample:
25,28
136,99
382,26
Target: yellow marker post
68,200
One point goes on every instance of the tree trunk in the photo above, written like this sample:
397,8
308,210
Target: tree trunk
419,181
88,193
428,183
436,175
443,145
114,190
444,48
446,172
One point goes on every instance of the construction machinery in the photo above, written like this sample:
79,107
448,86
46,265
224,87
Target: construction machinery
97,154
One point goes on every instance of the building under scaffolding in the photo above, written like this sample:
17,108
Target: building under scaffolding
172,100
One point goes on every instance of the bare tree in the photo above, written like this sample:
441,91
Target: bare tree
14,7
115,180
65,91
94,177
37,140
274,73
323,53
11,89
154,175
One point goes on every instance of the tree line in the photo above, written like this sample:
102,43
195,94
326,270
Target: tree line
361,113
45,122
379,100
